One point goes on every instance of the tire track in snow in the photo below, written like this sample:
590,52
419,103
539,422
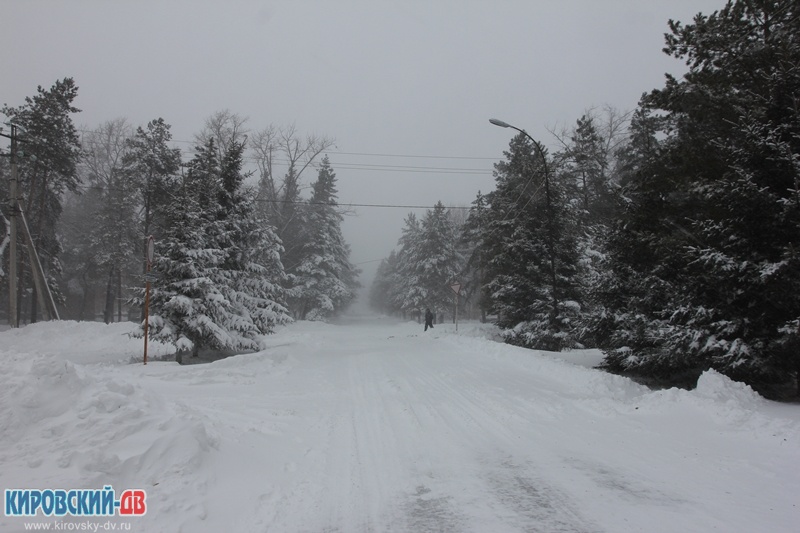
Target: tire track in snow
516,493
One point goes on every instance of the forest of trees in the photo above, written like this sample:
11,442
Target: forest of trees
420,273
668,237
234,256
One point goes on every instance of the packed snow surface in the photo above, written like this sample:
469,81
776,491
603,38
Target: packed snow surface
375,425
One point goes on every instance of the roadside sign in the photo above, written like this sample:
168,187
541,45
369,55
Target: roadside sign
151,249
456,288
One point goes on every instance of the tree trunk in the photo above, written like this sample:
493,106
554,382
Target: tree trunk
82,310
797,375
108,310
34,304
20,285
119,294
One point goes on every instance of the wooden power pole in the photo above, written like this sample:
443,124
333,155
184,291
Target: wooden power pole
42,289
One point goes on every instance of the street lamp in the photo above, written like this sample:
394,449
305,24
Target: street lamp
550,221
539,147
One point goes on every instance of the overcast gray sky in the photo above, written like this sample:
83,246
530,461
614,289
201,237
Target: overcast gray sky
406,78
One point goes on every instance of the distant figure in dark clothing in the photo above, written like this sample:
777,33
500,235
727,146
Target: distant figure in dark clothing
428,319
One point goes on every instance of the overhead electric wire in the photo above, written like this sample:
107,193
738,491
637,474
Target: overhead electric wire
302,202
348,165
417,156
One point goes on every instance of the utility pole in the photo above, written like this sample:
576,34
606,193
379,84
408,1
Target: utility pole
13,318
42,289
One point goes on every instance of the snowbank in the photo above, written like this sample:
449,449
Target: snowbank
81,342
379,425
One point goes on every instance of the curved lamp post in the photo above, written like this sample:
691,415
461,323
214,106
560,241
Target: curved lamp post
550,225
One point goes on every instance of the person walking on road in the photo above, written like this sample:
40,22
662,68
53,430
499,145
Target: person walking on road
428,319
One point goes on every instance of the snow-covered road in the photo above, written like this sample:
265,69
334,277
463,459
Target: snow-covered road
377,426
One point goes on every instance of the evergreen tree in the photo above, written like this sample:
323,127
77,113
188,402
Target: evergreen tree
151,166
589,161
51,138
252,274
474,235
439,261
531,249
623,290
219,267
420,273
408,295
186,305
279,197
591,171
325,279
717,208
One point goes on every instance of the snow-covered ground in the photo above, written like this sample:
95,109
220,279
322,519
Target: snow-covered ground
373,425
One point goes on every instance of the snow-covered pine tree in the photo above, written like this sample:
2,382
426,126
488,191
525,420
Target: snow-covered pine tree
408,294
588,164
151,165
187,307
531,250
48,170
473,234
419,273
252,274
726,189
590,172
439,261
325,280
219,269
628,295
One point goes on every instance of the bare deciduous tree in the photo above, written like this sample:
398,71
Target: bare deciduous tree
112,243
226,128
282,148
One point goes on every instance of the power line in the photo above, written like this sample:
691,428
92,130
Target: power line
364,166
302,202
374,167
417,156
370,261
365,154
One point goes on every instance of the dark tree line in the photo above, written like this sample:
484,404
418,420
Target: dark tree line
233,259
671,244
704,257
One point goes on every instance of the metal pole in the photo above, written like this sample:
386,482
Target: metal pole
13,317
146,311
150,251
456,312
